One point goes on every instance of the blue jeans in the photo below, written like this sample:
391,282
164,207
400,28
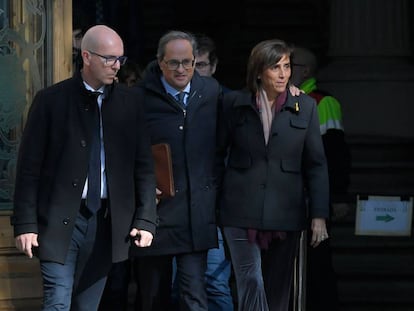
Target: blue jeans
77,285
217,278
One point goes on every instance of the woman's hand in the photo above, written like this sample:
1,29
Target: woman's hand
319,232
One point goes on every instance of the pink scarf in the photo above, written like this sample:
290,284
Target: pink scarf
268,109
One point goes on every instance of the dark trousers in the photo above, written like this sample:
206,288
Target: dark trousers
77,285
115,295
321,294
217,279
278,263
155,281
263,277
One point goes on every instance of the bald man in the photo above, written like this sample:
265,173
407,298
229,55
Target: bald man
78,220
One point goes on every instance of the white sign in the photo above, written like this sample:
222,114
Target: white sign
383,215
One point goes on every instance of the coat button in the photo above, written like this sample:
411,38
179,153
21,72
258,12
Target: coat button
262,186
180,127
75,182
83,143
66,221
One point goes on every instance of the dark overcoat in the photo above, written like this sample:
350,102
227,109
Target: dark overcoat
266,187
186,221
53,165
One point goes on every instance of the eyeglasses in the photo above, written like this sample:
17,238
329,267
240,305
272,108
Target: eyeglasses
173,64
111,60
201,65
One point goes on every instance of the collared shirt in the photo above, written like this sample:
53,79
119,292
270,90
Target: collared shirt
104,193
174,92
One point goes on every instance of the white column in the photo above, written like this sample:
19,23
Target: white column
370,71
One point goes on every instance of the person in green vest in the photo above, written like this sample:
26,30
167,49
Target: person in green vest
321,278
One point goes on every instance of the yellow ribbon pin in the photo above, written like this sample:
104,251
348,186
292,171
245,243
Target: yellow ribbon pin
296,107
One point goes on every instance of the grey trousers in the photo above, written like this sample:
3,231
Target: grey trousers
263,277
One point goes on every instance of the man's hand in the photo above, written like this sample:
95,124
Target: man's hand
25,242
294,90
158,193
141,238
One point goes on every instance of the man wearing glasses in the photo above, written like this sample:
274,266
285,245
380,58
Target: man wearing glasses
85,184
207,59
181,109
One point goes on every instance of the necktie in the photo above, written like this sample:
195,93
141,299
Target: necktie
180,98
94,171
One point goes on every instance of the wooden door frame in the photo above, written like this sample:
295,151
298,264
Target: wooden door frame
21,285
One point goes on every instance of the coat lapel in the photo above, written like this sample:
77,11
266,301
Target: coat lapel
85,105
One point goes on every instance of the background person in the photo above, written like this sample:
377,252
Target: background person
130,74
218,266
275,162
321,278
79,221
207,58
79,26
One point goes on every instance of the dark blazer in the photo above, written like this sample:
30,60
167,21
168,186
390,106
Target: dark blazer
186,221
53,164
265,187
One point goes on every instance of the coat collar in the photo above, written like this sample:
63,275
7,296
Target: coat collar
79,83
152,81
248,99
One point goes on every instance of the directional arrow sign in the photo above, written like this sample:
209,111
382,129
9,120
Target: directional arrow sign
385,218
384,215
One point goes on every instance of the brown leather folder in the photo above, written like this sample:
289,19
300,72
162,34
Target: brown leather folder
163,169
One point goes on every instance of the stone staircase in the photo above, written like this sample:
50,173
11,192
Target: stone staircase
375,272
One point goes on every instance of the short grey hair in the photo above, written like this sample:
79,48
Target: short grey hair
174,35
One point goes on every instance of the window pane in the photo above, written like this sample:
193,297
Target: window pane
23,67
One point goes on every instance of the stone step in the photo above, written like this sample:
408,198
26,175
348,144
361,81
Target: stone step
376,291
373,307
374,273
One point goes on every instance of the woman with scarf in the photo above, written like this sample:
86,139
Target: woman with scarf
274,178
